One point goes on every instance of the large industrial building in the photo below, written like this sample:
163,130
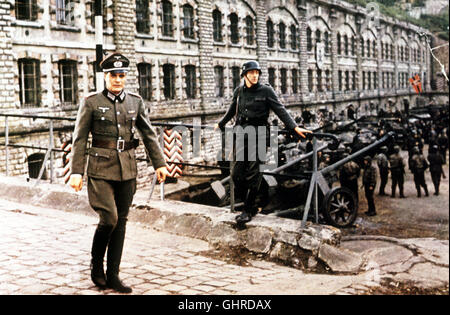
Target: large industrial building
186,57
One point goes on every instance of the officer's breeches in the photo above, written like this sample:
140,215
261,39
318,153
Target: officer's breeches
111,200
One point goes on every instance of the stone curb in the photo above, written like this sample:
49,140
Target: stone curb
274,238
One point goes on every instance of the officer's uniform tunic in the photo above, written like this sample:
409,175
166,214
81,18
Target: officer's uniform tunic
112,120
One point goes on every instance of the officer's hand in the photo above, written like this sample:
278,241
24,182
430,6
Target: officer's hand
216,126
161,174
76,181
302,131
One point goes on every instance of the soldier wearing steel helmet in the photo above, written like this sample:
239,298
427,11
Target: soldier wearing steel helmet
251,106
418,166
383,168
397,168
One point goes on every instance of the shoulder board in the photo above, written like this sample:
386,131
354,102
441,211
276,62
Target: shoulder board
134,94
268,84
91,94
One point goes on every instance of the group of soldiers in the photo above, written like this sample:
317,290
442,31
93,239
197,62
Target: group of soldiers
395,164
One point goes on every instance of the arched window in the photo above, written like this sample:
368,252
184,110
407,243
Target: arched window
218,76
142,16
318,36
234,28
339,44
188,21
29,82
217,25
68,82
270,31
26,10
190,81
293,37
167,19
282,34
283,78
145,80
249,30
169,81
308,39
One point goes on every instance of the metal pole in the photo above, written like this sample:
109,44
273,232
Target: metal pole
50,147
6,145
99,44
316,202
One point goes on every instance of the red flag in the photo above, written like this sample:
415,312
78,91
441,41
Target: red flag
415,82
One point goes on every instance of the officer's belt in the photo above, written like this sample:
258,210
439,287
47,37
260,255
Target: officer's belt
242,120
120,145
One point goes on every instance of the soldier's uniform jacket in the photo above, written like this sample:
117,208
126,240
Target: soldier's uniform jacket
252,107
418,163
110,118
436,161
396,162
370,175
382,161
350,171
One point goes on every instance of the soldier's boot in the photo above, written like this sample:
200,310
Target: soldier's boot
250,209
426,191
99,244
114,257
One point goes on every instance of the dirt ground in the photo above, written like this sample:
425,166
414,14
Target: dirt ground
411,217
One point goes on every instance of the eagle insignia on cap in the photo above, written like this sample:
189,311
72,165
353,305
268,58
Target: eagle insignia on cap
118,64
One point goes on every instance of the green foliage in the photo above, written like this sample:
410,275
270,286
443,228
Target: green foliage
437,24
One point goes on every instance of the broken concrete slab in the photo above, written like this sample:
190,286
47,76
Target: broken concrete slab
340,259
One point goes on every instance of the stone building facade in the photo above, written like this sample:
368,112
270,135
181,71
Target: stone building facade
186,57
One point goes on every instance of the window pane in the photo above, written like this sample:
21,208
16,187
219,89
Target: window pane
234,28
167,19
142,16
217,25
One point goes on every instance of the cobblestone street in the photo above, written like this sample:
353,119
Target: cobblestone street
47,251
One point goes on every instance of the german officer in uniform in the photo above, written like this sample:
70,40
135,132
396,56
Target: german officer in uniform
112,117
251,105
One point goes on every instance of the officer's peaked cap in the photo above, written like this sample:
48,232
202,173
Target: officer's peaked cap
250,65
116,63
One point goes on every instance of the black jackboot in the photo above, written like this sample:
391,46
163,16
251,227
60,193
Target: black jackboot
99,244
114,257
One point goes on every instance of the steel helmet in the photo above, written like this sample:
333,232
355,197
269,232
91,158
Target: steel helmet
250,65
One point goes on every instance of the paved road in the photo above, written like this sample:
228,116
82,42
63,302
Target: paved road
47,251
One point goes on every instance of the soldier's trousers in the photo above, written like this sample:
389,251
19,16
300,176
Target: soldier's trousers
436,178
246,174
419,181
384,174
369,196
397,179
111,200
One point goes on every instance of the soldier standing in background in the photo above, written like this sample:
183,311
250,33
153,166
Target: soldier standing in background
418,166
397,168
383,167
435,159
112,117
369,182
348,176
442,142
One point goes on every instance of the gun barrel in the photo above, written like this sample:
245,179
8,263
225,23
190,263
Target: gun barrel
357,154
